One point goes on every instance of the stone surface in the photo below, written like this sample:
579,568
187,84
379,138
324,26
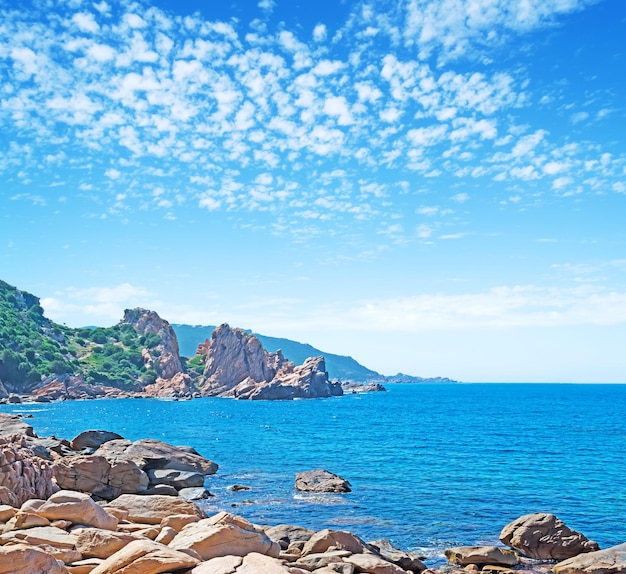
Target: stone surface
42,535
195,493
320,480
406,560
608,561
99,543
102,477
211,540
544,536
236,365
285,534
153,509
14,424
23,559
371,564
145,557
481,555
23,475
219,565
176,478
77,507
150,454
92,439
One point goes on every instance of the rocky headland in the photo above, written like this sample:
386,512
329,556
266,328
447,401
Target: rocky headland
140,357
101,504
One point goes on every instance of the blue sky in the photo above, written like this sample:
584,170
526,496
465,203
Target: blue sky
436,187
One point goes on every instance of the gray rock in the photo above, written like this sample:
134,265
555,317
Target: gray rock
196,493
320,480
93,439
609,561
176,478
545,537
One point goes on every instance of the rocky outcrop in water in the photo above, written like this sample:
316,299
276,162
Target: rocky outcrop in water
320,480
236,365
545,537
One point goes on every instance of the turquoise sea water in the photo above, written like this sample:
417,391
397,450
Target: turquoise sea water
430,465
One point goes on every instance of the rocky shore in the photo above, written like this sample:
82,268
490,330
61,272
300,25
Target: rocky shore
101,504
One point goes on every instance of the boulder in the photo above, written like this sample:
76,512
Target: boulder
99,476
153,509
181,385
99,543
23,520
176,478
322,559
371,564
482,555
337,539
92,439
407,560
321,480
14,425
23,559
150,454
145,557
78,508
608,561
545,537
224,535
220,565
285,534
40,536
194,493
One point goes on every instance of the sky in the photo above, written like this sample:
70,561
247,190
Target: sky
433,187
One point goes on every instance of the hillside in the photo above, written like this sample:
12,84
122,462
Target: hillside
33,348
338,366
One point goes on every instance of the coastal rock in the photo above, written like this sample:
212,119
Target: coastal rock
194,493
145,557
178,479
407,560
222,535
234,355
78,508
179,386
285,534
154,508
167,364
23,475
4,394
14,425
155,454
482,555
371,564
608,561
93,439
96,474
352,387
545,537
337,539
24,559
320,480
99,543
40,536
72,387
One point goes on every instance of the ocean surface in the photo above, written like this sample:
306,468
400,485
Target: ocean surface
431,465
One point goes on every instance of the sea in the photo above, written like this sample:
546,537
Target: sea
431,465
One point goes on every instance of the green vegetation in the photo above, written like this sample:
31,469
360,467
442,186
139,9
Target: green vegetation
33,347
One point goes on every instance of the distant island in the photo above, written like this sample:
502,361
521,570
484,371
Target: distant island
143,355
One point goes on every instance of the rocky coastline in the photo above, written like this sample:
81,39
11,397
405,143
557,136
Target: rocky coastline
101,504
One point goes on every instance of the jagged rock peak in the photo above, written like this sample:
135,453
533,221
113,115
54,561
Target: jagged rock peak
234,355
167,363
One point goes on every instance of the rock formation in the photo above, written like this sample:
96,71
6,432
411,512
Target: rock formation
167,363
608,561
236,365
321,480
545,537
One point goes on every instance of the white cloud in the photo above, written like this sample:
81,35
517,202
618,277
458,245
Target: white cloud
319,33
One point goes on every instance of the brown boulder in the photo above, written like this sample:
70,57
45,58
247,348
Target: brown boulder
14,425
145,557
99,476
608,561
23,559
545,537
153,509
224,535
150,454
371,564
78,508
482,555
99,543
